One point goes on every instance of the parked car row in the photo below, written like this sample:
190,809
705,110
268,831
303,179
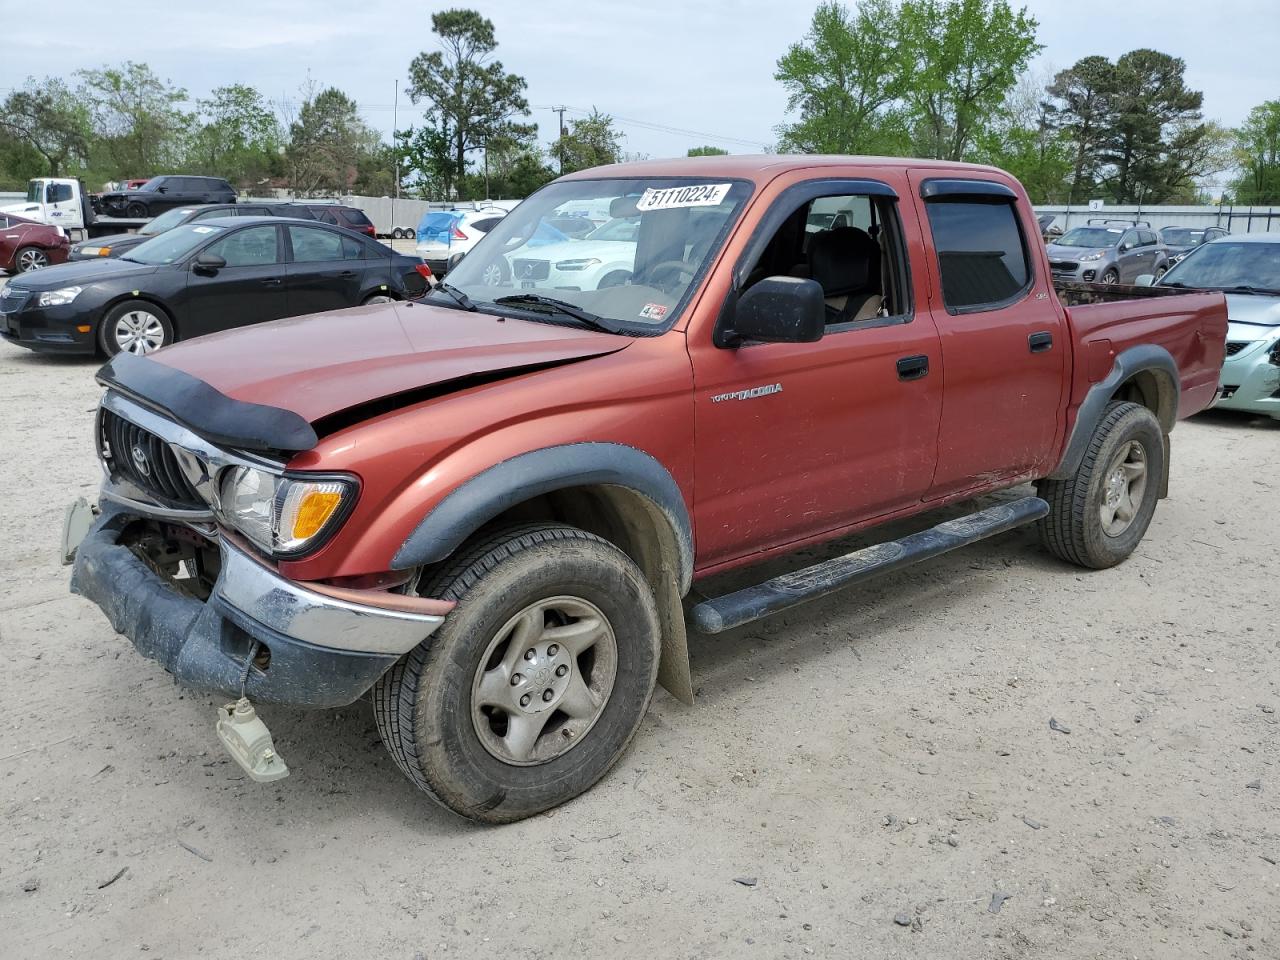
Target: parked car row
26,245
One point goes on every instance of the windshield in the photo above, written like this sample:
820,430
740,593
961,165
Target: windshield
35,191
1224,265
1182,237
660,237
1090,237
172,245
166,221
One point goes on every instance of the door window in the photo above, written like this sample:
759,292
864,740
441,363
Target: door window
208,214
1146,238
313,246
982,254
851,245
352,249
253,246
59,192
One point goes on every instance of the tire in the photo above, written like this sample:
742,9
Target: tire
1161,271
1111,275
136,211
1076,529
377,298
496,274
149,325
30,258
469,757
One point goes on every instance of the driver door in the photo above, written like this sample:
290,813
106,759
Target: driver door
249,289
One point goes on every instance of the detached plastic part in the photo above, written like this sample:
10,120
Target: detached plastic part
75,526
248,741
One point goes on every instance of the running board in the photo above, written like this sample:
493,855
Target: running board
790,589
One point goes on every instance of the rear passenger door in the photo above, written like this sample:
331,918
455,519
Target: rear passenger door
1003,334
326,270
1143,258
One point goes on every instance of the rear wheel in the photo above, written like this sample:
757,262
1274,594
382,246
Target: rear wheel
535,683
496,273
30,258
134,326
1099,514
1161,271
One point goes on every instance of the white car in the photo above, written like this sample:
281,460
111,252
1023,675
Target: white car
444,233
605,257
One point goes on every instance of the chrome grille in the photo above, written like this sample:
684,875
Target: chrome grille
1235,346
147,462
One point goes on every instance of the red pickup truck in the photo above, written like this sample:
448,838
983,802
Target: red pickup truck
487,510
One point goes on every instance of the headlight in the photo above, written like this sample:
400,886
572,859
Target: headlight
1092,256
94,251
56,298
282,515
576,264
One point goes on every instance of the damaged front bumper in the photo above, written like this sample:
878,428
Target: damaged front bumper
324,647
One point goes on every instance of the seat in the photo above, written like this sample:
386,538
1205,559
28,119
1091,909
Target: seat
846,263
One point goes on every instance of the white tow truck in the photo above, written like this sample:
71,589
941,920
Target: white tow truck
62,202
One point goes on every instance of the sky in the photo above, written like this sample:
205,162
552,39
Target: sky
673,73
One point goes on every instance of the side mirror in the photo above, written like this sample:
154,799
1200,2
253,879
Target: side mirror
1145,280
454,261
779,310
209,263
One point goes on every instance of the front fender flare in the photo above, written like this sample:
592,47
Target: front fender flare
487,494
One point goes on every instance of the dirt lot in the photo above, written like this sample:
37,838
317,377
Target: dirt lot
857,779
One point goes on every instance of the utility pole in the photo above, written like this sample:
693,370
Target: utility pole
395,150
560,141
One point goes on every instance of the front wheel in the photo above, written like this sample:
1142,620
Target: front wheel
136,211
1099,514
134,326
535,683
1111,276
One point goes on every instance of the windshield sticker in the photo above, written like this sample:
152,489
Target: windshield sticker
673,198
204,229
653,311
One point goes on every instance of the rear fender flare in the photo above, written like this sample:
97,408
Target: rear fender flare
1135,360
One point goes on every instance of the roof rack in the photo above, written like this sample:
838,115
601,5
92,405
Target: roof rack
1127,223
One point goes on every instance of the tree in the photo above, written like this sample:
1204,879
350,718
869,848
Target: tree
590,141
326,143
706,152
967,56
1026,142
842,78
473,98
1257,151
239,136
49,119
136,118
1080,105
1153,140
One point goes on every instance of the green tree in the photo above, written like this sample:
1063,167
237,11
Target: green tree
426,159
238,137
1026,142
843,79
1079,105
327,141
1153,141
591,141
473,98
707,152
19,162
967,56
512,166
139,126
49,119
1257,152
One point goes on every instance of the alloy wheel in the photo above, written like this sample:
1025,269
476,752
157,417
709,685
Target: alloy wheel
1124,484
138,332
544,680
29,260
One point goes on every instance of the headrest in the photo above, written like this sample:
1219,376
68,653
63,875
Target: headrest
843,260
620,207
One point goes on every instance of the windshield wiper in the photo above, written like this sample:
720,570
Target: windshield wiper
1246,288
557,306
460,298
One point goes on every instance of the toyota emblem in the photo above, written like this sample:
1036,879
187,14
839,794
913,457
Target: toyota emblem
140,460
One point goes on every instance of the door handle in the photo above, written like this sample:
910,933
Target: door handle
1040,342
347,274
913,368
271,282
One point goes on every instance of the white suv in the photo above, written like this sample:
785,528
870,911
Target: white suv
444,233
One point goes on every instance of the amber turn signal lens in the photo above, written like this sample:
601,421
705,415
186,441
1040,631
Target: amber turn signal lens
314,512
83,328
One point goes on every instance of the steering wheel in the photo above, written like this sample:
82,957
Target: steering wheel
676,267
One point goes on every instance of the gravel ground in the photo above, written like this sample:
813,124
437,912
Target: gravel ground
870,776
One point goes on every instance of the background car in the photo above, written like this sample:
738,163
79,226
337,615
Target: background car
202,277
118,244
603,258
164,193
1247,269
1179,241
340,215
1047,227
445,233
1108,251
26,245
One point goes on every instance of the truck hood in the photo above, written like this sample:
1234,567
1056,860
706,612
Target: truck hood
1253,316
324,364
29,210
